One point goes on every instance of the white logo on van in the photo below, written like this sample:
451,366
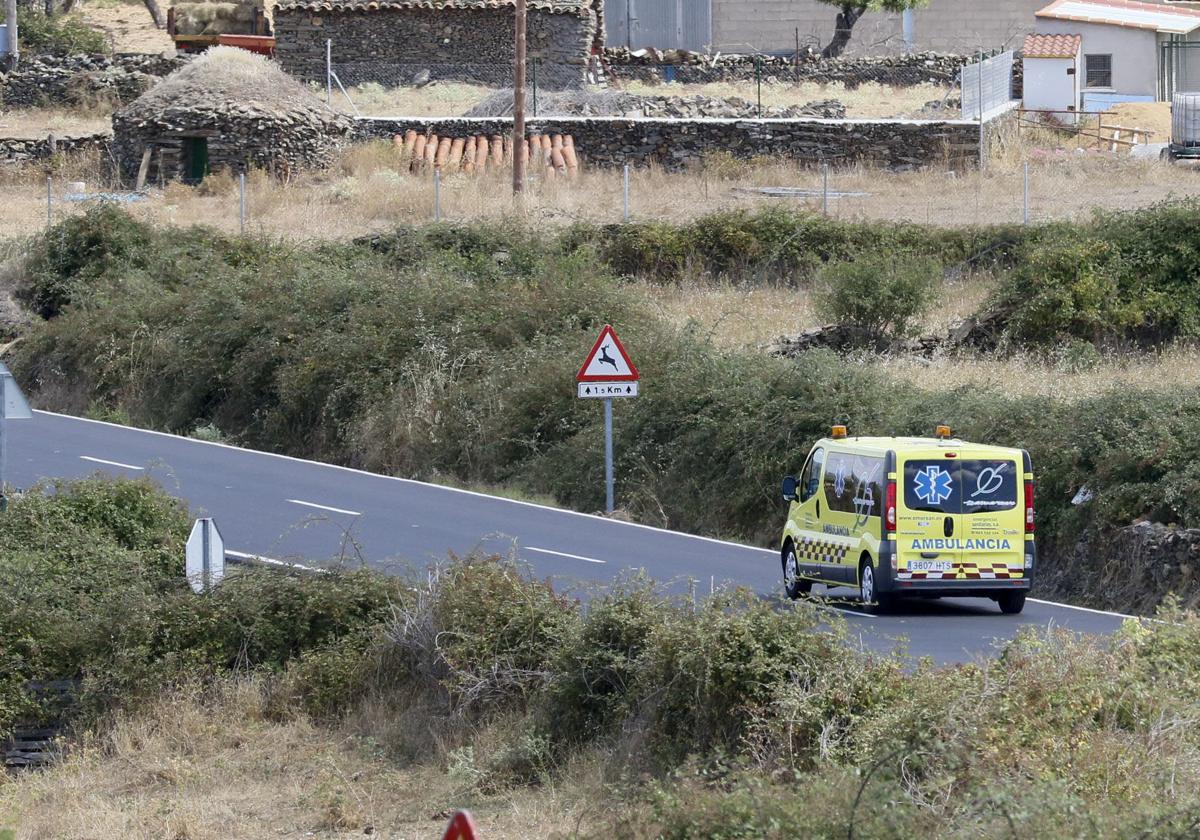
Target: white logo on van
988,481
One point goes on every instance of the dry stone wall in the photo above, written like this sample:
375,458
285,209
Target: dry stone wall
73,80
16,151
697,68
1128,569
411,46
674,144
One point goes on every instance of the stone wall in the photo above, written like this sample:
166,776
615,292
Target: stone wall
401,46
77,79
1128,569
16,151
696,68
674,144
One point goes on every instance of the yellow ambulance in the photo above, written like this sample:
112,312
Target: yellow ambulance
911,517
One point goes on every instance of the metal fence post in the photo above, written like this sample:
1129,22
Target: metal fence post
758,81
242,201
1025,196
982,140
328,71
49,201
824,188
626,192
437,195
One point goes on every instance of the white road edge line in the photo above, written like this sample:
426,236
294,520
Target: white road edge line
325,507
245,450
271,561
564,554
1083,609
110,463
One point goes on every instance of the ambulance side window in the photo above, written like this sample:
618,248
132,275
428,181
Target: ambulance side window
811,480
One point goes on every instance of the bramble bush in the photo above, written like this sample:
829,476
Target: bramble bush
880,297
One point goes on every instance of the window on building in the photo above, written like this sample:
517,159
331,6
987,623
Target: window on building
1097,71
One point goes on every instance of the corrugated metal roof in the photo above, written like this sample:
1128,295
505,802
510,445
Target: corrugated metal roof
1051,46
1158,18
559,6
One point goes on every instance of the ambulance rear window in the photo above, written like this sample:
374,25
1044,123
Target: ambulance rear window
967,486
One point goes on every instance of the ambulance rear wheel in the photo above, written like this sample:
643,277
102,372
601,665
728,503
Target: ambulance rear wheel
793,584
1011,603
872,598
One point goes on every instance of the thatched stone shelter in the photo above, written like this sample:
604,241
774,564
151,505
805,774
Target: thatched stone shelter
226,109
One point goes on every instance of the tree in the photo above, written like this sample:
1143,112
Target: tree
849,11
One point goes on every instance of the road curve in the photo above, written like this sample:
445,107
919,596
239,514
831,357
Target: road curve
285,508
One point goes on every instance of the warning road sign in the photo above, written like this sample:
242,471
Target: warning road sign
608,361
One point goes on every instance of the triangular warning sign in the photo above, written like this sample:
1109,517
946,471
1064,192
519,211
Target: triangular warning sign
608,361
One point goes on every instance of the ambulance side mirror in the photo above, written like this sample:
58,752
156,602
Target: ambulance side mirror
789,488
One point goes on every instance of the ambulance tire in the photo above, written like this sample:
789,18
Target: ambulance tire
872,598
1011,603
793,584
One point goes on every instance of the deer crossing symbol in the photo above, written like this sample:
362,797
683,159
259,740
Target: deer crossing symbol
606,359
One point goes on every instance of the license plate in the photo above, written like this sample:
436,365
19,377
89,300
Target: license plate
930,565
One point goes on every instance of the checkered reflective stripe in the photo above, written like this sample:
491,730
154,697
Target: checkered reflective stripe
812,550
969,570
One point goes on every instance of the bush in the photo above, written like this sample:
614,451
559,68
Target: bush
59,35
879,297
92,587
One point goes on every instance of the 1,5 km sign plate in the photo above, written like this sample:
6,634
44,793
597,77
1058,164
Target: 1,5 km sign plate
607,374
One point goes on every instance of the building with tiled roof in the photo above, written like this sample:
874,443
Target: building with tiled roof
398,42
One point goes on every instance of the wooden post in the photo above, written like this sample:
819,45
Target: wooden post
519,99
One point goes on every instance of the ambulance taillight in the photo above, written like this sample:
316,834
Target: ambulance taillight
1028,507
889,516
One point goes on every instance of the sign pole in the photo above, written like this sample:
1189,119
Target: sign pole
608,456
607,374
3,443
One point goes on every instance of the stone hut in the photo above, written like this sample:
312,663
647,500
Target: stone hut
227,109
402,42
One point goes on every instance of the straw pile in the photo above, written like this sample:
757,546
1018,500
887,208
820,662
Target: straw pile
208,18
554,154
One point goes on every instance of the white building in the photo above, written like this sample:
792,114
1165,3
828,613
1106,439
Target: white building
1129,51
1052,64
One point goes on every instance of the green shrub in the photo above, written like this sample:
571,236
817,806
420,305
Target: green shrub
59,35
880,297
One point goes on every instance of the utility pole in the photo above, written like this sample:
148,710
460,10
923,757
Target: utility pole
10,20
518,135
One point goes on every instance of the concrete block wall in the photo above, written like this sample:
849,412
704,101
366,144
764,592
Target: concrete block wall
955,26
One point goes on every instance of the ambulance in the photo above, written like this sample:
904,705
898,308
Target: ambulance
911,517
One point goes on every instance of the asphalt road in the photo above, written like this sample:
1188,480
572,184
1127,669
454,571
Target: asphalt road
286,509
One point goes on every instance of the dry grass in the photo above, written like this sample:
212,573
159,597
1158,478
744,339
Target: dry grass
1025,375
127,25
370,189
36,123
199,768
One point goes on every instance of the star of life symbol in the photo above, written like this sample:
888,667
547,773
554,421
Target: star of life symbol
933,485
